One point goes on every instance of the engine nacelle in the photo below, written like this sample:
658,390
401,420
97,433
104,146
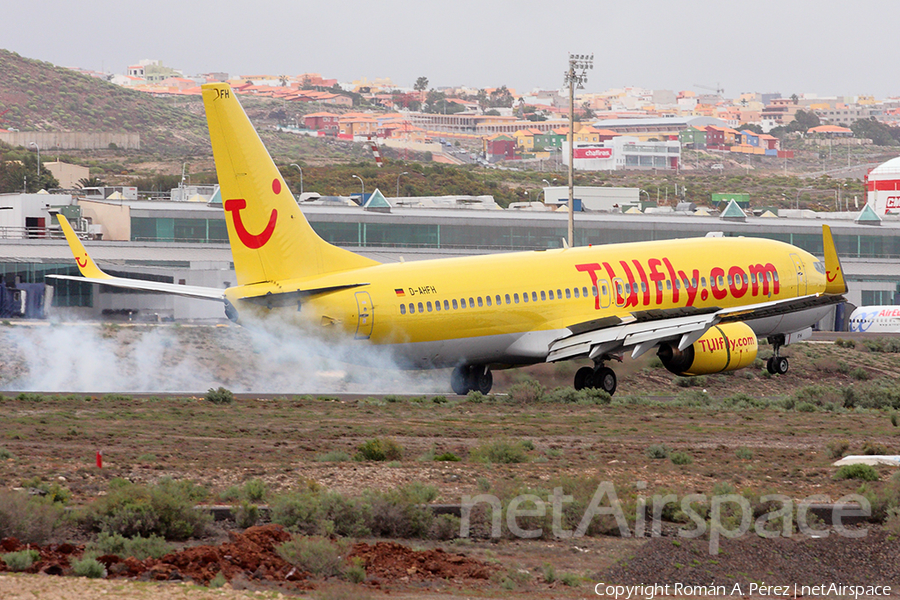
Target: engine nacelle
725,347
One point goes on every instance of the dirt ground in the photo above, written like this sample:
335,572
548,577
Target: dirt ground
282,439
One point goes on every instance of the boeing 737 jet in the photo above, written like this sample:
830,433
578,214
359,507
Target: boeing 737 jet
700,303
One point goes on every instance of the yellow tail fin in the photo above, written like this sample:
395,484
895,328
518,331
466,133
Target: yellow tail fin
86,264
270,238
834,274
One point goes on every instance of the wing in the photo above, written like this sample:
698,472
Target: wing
644,330
91,273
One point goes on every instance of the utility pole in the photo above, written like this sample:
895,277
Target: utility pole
579,65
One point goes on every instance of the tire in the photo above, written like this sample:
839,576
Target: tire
781,365
605,379
770,365
584,378
483,380
459,380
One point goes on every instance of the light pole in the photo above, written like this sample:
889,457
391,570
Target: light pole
301,176
398,182
362,199
579,64
39,157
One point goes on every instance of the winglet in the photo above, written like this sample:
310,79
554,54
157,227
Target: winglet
834,274
85,263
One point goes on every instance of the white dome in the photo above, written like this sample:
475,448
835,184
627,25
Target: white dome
887,170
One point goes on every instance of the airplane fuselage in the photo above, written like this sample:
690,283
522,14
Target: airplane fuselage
508,308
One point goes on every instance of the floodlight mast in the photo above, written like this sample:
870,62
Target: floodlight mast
579,65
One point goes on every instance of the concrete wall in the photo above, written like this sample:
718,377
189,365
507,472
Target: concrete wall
66,140
67,175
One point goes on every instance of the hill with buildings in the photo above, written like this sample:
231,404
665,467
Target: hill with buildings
39,96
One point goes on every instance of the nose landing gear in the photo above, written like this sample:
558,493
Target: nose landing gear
777,365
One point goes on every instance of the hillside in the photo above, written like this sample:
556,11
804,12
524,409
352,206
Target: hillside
43,97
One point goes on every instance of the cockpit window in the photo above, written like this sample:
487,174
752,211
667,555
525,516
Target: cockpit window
819,266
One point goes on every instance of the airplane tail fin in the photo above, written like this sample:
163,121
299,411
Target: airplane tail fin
270,238
85,263
834,274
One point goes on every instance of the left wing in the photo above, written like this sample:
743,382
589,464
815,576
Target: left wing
644,330
93,274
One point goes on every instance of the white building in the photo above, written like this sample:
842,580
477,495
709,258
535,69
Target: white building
624,152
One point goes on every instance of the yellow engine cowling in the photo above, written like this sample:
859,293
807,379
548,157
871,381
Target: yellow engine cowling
725,347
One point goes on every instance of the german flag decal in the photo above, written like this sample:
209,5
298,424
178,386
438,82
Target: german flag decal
400,292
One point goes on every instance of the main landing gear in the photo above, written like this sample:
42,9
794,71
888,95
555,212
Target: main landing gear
599,377
468,378
777,365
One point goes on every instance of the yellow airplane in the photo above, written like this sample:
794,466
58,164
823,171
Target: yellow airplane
700,303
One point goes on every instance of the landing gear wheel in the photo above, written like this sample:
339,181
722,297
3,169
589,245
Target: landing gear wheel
605,379
781,365
459,380
777,365
483,380
584,378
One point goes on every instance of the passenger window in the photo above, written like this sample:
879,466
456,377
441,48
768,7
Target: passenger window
746,281
568,293
412,308
584,292
604,289
402,309
534,296
628,288
480,303
576,292
455,305
447,305
730,280
516,298
677,284
487,300
471,303
421,308
693,282
428,305
703,282
507,299
594,291
462,302
559,294
543,295
550,294
776,276
437,305
753,278
644,286
619,288
525,297
497,300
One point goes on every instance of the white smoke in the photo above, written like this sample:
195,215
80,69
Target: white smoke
268,357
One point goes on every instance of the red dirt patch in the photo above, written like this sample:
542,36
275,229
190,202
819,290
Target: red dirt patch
251,557
395,562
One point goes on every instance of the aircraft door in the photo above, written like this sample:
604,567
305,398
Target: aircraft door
604,291
801,274
366,314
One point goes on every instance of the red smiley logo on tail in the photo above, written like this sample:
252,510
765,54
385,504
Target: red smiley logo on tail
248,239
80,264
831,277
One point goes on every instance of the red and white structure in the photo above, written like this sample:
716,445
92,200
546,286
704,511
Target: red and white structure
883,187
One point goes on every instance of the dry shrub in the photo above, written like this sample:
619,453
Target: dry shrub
29,519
